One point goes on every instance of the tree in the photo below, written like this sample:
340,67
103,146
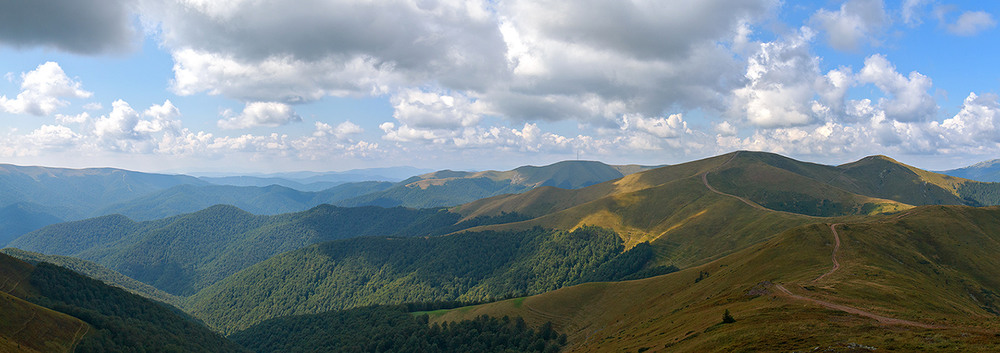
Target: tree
727,318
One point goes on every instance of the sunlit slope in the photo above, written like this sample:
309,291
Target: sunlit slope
872,185
26,327
449,188
545,200
934,266
860,187
686,222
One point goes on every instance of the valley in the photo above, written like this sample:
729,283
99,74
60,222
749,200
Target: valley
871,253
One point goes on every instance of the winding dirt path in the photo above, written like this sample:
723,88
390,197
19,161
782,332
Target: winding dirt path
836,247
855,311
34,314
836,265
85,328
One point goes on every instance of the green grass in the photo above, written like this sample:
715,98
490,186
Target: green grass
922,266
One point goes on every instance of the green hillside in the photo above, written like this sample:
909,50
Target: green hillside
920,281
392,329
183,254
51,309
95,271
365,271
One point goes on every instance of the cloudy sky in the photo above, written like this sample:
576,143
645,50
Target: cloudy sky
272,85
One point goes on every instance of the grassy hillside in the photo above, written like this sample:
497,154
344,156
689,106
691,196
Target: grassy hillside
183,254
934,266
47,308
366,271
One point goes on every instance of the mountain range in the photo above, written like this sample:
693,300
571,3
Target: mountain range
796,256
33,197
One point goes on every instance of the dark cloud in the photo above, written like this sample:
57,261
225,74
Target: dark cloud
78,26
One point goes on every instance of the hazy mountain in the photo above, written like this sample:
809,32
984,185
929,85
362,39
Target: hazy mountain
988,171
22,217
267,200
75,193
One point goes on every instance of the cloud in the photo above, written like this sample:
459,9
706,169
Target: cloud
910,100
341,42
260,114
125,129
977,124
343,130
507,59
663,127
853,25
422,109
43,90
912,11
971,23
780,80
79,26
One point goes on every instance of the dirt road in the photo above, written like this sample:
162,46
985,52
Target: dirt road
836,247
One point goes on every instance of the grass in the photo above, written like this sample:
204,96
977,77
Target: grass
881,272
26,327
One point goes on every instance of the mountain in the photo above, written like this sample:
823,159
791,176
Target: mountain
362,271
988,171
449,188
95,271
183,254
266,200
33,197
894,282
47,308
22,217
75,193
317,181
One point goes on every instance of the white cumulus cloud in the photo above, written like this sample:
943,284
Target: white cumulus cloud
260,114
43,91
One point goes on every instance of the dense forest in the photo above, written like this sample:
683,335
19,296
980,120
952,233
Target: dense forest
393,329
183,254
121,321
472,266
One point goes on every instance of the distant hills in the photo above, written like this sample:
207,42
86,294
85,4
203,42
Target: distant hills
32,197
872,253
982,171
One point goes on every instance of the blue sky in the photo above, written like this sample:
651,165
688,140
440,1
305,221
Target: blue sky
262,86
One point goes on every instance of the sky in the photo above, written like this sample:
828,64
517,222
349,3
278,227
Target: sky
248,86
